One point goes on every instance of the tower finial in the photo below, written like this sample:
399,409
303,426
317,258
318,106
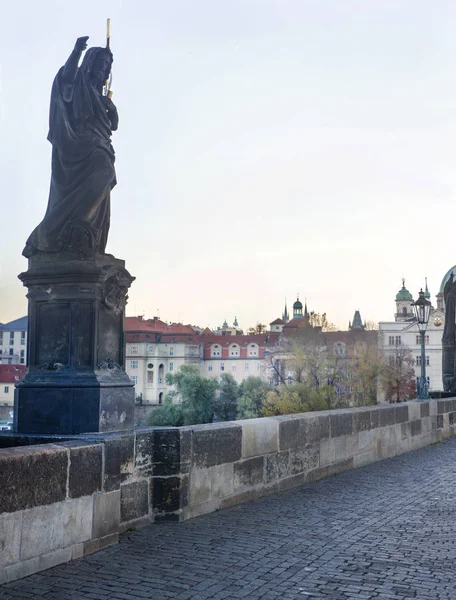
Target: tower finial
403,282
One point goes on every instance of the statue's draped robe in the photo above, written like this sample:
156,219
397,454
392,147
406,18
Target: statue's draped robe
83,171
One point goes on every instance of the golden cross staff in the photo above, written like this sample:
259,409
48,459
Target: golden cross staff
108,43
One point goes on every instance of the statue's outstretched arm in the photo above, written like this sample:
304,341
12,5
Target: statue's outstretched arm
71,66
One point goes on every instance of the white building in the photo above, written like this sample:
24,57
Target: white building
13,342
403,331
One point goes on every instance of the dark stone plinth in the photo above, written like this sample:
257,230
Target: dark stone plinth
75,381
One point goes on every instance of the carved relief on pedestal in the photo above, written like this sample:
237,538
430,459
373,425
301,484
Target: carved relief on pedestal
115,291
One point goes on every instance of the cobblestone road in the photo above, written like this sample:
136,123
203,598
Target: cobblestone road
384,531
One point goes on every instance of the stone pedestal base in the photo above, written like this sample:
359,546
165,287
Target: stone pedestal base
75,381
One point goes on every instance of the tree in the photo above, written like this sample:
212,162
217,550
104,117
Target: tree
196,395
398,378
321,320
371,326
296,398
252,394
365,369
226,404
258,329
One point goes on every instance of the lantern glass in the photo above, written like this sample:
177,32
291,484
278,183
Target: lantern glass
422,308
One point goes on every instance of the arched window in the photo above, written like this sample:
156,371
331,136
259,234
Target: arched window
339,349
253,349
160,398
404,311
216,350
161,370
234,350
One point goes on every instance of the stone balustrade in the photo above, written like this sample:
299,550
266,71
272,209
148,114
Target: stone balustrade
65,497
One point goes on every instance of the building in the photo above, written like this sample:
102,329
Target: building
403,331
9,376
13,342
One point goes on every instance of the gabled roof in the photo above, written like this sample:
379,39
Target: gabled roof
16,325
278,322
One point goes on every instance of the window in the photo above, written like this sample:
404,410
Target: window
150,377
10,360
426,339
404,311
134,364
1,351
418,361
339,349
391,361
253,350
391,340
233,368
22,361
171,351
222,366
6,389
209,368
134,378
134,350
246,366
234,350
398,340
22,338
215,350
11,351
11,338
418,340
171,366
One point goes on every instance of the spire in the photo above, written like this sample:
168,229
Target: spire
427,293
235,324
306,314
285,316
357,321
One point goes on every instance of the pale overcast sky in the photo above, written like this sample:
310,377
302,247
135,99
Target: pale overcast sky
264,148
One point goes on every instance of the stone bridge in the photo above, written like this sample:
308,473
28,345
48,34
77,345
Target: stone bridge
384,530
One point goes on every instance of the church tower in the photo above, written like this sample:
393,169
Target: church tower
404,301
297,309
285,316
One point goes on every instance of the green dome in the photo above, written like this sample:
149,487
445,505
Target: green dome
297,304
447,276
404,294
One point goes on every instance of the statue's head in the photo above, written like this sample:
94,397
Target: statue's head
97,64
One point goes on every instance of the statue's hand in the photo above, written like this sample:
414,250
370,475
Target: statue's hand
81,43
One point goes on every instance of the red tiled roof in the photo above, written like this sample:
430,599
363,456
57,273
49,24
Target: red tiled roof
262,339
12,373
140,324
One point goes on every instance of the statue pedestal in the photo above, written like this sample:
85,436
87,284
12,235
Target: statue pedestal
75,382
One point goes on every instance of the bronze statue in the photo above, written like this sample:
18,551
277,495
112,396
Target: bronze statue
81,120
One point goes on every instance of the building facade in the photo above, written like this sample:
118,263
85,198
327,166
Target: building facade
13,342
403,331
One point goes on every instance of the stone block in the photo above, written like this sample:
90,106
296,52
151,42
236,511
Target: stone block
375,418
387,416
166,454
248,473
166,493
144,449
415,410
406,430
365,458
35,564
341,423
10,538
340,466
100,543
327,452
86,465
259,436
186,452
216,444
432,407
32,476
402,413
59,525
304,459
439,421
361,421
277,466
222,480
424,409
134,500
119,460
200,486
295,432
415,427
106,514
367,441
441,406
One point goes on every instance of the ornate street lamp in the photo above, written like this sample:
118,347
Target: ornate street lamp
422,308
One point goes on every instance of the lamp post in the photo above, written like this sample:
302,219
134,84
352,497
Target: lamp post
422,309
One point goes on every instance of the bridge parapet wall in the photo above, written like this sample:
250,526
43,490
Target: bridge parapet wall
65,497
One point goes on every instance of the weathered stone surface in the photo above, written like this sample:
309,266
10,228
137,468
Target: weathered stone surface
248,472
341,423
166,456
100,543
222,480
327,452
402,414
216,444
200,486
106,514
416,428
367,441
387,416
134,500
424,409
186,437
10,538
32,476
361,421
119,451
86,465
298,430
166,494
304,459
277,466
144,450
59,525
259,436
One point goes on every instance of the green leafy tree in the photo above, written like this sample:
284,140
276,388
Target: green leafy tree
398,376
194,395
296,398
366,368
252,394
225,406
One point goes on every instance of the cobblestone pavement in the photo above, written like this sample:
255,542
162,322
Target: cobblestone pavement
384,531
